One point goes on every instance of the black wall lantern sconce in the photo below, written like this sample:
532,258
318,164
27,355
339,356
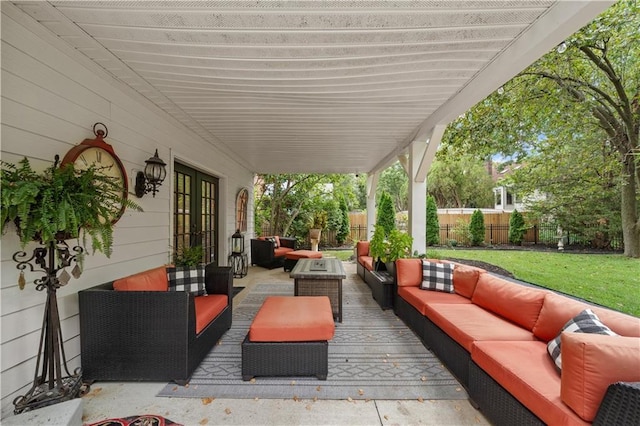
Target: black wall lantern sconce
151,179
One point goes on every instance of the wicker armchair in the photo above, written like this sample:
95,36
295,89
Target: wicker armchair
148,335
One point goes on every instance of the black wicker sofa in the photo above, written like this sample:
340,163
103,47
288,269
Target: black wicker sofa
150,334
492,334
269,252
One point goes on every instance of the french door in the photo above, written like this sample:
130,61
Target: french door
195,212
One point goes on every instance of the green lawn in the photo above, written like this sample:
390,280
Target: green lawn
609,280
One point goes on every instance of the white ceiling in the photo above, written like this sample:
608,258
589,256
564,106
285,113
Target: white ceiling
313,86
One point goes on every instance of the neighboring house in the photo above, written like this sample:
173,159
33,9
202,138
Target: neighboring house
505,197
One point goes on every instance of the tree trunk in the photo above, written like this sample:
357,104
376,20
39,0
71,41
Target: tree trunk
629,210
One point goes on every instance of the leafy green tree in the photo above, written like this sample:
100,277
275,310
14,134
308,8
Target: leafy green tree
476,228
285,201
587,95
386,213
460,181
517,227
433,226
394,181
344,229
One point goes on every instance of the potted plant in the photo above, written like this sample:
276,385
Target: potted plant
398,246
317,225
377,246
189,256
60,203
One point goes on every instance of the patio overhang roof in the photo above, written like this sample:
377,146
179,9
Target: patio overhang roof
313,86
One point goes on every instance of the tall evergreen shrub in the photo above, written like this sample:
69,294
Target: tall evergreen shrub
517,227
476,228
386,213
433,226
343,230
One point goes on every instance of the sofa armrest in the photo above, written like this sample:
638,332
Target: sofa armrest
261,251
219,279
620,405
289,242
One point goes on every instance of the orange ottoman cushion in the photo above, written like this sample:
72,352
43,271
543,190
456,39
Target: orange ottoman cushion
293,319
303,254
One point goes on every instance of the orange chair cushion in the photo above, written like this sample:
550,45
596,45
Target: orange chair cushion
557,310
515,302
590,363
467,323
527,372
207,308
362,248
303,254
409,272
293,319
419,298
281,251
152,280
465,279
367,262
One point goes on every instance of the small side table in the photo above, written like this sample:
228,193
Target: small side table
382,288
239,263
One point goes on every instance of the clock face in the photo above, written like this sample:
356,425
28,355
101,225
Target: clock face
104,163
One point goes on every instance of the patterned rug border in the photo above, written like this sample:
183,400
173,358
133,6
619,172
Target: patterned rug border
373,355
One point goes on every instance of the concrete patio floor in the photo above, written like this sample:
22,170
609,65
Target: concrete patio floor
113,399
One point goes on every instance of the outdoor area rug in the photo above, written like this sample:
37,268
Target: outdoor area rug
372,356
144,420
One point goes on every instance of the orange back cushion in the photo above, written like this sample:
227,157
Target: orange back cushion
557,310
152,280
515,302
590,363
362,248
465,279
409,272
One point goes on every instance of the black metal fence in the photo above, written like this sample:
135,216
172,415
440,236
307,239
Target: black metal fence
547,234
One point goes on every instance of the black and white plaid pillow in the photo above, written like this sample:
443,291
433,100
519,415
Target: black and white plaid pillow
187,278
437,276
585,322
273,240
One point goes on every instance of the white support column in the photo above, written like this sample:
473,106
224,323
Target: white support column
417,198
421,156
372,184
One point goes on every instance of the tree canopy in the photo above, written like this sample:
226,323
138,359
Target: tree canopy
572,119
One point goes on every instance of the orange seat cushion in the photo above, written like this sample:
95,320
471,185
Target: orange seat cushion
515,302
527,372
557,310
303,254
419,298
590,363
281,251
207,308
367,262
466,323
152,280
293,319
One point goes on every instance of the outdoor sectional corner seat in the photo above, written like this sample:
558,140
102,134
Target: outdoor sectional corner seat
269,252
137,329
492,333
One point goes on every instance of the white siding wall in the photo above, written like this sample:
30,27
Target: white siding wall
51,97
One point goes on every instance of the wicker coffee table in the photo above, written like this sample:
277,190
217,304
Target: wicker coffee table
320,277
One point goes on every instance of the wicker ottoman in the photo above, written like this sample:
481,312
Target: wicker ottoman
289,337
291,258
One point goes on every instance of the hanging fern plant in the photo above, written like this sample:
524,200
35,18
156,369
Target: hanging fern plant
60,203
